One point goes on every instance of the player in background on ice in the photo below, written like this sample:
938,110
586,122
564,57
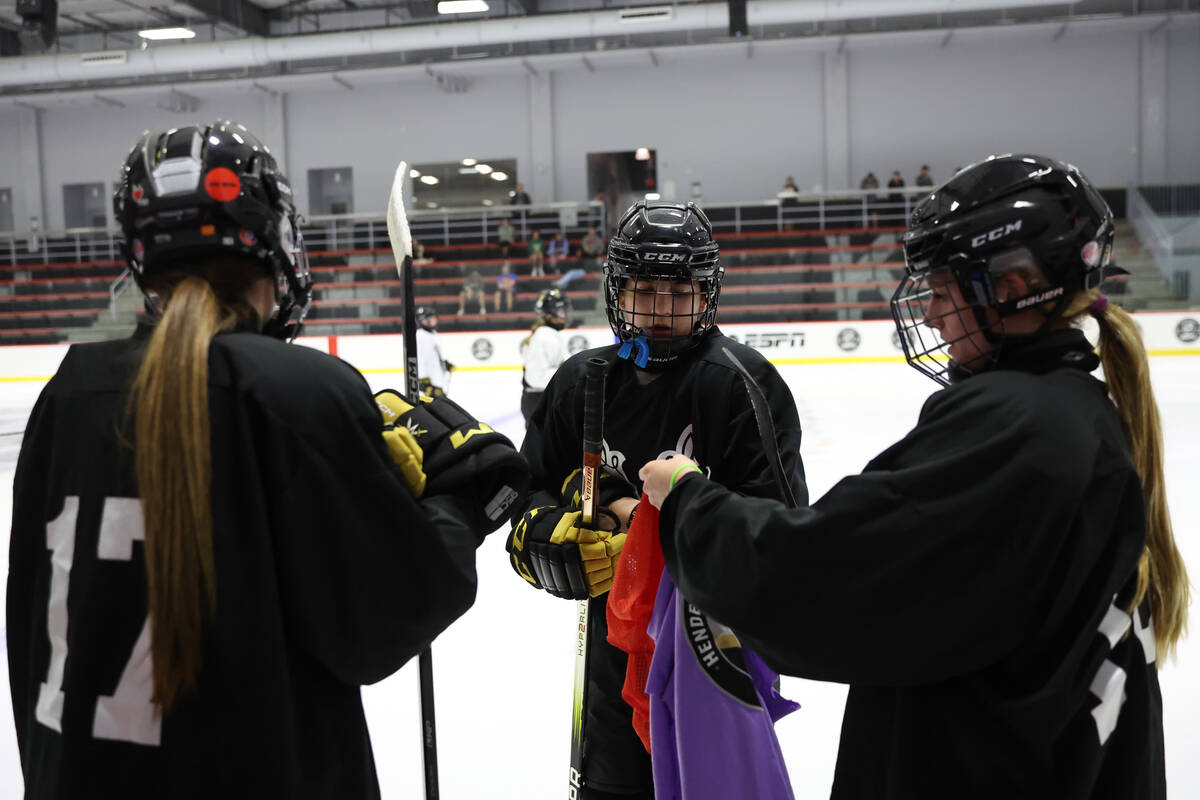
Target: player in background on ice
543,350
213,547
1000,586
669,390
433,371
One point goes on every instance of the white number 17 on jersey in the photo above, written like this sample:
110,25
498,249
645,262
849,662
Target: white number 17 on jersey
128,714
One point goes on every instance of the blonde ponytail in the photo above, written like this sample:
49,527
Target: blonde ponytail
173,466
1161,571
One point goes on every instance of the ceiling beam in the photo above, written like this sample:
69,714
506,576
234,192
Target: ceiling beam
241,14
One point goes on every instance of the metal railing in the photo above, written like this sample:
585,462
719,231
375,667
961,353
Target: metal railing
450,226
790,211
849,209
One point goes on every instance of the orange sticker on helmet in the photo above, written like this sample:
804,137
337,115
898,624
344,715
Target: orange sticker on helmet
222,184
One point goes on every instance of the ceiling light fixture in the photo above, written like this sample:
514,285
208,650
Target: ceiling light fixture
164,34
483,169
499,176
429,180
469,162
461,6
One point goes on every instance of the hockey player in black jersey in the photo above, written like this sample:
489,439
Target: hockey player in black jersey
669,390
999,586
213,547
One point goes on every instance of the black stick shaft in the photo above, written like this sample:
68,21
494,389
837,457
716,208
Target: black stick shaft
412,385
766,429
593,436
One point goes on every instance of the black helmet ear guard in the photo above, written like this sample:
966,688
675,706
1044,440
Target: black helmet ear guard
991,216
655,242
208,190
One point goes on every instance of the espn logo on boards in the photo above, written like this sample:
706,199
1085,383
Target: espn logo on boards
670,258
995,233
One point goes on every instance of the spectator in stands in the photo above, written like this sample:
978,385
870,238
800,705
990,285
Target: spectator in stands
592,246
519,197
556,249
925,178
418,250
896,182
537,248
789,185
869,183
505,235
506,284
472,290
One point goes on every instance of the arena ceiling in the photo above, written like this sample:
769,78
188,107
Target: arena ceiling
97,42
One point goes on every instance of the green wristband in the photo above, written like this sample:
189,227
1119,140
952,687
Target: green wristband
671,488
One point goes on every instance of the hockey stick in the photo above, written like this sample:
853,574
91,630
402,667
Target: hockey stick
401,239
766,428
593,434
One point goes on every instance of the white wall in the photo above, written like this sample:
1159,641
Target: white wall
372,128
737,119
10,170
738,125
1183,105
1074,99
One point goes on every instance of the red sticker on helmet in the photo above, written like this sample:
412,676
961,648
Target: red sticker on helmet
222,184
247,238
1090,254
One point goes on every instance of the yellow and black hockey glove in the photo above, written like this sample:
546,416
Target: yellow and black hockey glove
610,486
552,550
461,455
407,455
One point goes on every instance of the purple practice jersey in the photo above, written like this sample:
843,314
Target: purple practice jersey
713,706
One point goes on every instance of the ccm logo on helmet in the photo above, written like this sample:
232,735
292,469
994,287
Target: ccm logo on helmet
996,233
668,257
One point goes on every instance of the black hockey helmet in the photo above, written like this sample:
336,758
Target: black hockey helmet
207,190
551,303
1004,211
654,242
424,314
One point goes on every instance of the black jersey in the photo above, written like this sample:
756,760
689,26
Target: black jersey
328,576
699,408
971,585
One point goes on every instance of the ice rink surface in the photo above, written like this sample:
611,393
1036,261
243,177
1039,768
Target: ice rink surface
503,672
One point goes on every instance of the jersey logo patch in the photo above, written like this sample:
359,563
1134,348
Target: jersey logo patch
719,653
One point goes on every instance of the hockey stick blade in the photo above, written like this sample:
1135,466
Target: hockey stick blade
766,428
401,239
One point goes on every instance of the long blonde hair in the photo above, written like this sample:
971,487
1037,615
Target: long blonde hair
173,465
1161,571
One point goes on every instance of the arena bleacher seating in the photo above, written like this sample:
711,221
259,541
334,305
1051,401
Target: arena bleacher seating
799,263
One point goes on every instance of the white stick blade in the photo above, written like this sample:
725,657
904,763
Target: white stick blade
397,219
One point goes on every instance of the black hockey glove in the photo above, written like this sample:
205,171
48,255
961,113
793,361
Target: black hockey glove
461,455
552,550
610,486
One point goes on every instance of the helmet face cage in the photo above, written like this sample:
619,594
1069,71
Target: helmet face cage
1001,214
200,192
662,279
